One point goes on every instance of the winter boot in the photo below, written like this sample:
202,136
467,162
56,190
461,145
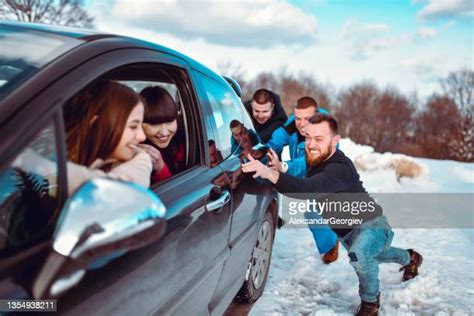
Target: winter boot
332,254
411,270
369,308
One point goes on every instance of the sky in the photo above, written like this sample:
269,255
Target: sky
408,44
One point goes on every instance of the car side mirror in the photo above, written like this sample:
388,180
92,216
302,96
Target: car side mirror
235,85
102,220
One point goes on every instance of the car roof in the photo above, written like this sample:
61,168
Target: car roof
101,40
75,32
89,35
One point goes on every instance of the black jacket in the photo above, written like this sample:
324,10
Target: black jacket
335,175
277,120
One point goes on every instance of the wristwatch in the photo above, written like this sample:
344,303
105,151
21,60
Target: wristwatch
284,167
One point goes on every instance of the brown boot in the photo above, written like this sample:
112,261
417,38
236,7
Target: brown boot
332,254
411,270
369,308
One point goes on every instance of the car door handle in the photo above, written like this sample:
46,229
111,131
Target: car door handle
217,204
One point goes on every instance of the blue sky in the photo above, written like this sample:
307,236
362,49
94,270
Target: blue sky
405,43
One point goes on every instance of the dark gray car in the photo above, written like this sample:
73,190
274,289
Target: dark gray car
187,245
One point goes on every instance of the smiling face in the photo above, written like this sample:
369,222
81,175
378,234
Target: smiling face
301,118
132,135
320,143
262,112
161,134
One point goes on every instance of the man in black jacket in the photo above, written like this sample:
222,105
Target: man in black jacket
333,176
266,112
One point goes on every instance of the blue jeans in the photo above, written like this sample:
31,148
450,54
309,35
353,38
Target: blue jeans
368,246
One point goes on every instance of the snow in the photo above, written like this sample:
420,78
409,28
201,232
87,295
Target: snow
300,284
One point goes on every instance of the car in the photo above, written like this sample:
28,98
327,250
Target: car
188,245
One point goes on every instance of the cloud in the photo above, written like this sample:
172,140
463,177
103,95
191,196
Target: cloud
428,68
247,24
425,33
363,40
436,9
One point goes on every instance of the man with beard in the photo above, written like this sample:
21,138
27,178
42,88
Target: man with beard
292,134
331,173
266,112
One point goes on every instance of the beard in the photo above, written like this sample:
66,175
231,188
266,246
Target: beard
314,161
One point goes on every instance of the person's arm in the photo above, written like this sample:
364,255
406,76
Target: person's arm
335,178
297,167
138,170
279,140
267,132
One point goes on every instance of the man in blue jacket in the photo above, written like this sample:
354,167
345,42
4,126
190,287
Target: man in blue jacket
292,134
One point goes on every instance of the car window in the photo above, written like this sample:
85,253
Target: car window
180,153
234,130
28,190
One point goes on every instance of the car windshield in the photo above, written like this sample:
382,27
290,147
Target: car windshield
23,52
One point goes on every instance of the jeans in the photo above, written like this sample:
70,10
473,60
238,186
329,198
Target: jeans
368,246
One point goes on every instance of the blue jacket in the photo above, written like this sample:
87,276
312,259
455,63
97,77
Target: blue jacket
288,135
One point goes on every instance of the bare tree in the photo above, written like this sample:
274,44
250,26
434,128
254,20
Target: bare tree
290,88
437,126
462,147
57,12
459,86
235,71
355,112
381,119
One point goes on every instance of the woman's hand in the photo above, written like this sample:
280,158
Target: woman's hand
156,158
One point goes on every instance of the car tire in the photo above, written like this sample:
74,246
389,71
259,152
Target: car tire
259,263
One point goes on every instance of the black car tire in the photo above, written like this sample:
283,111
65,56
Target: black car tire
259,263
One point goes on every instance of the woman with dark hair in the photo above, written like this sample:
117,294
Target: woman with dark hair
103,130
161,129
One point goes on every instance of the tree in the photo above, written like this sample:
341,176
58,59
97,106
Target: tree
289,87
381,119
234,71
437,126
56,12
459,86
355,112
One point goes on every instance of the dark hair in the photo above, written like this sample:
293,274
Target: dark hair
320,118
160,106
95,119
306,102
235,123
262,96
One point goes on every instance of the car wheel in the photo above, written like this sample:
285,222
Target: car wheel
259,264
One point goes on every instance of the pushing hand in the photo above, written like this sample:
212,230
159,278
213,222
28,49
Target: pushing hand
274,161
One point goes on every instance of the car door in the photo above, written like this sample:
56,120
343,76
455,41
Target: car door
179,273
27,210
250,199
